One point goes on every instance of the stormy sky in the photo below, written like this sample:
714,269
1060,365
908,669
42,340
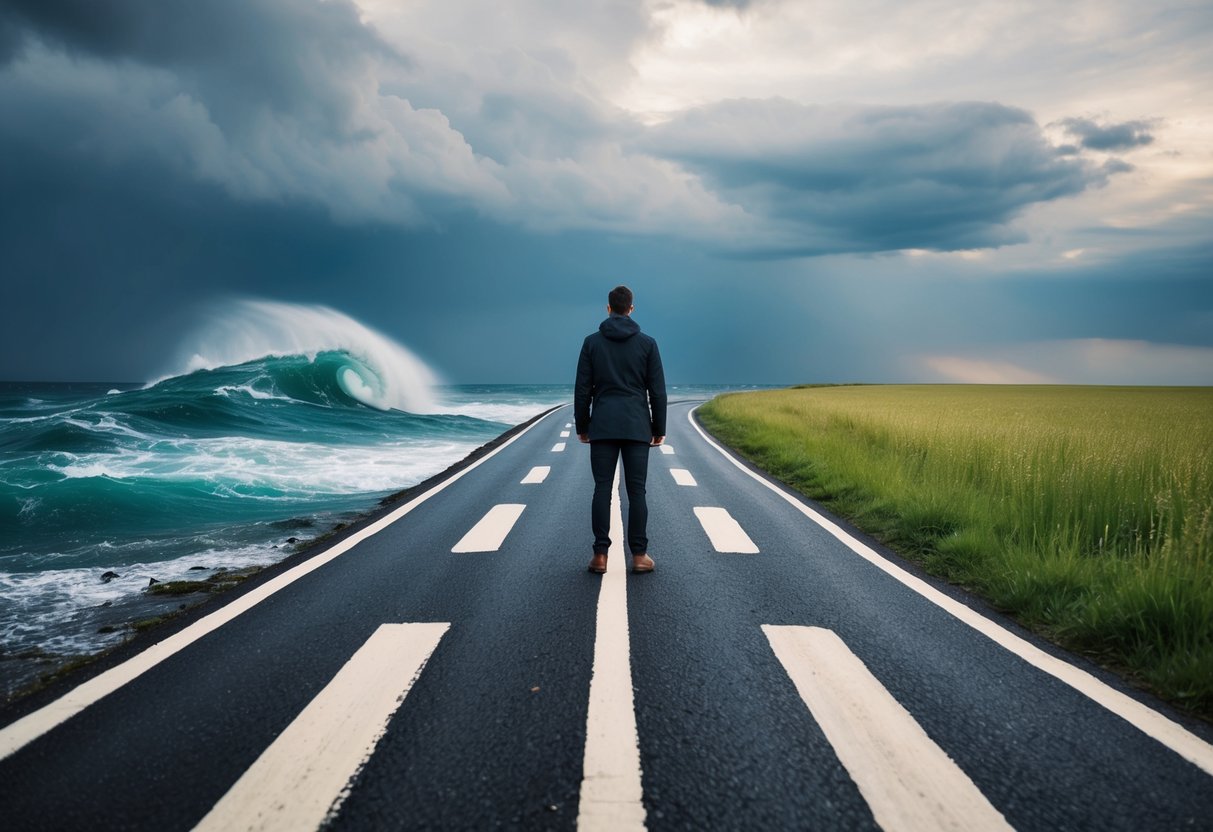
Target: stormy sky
861,190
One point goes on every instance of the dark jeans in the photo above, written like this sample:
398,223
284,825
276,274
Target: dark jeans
604,455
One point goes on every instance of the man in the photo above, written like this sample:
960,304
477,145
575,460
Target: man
619,406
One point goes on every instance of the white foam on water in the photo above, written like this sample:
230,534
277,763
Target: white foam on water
45,609
506,413
236,465
251,392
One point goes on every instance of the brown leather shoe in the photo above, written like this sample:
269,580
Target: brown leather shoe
598,563
642,563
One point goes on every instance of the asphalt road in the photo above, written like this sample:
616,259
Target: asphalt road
787,682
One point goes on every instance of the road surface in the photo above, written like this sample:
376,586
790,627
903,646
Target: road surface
453,665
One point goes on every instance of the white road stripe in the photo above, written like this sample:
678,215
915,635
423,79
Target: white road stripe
610,791
682,476
558,447
35,724
300,781
725,533
488,534
564,434
568,424
666,449
538,474
1147,720
908,781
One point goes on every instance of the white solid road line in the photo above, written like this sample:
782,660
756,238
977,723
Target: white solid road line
564,434
33,725
488,534
666,449
558,447
610,791
538,474
908,781
682,476
1147,720
300,781
725,533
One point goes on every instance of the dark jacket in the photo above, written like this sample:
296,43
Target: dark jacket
620,390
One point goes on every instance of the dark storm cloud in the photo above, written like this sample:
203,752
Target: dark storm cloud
11,35
1123,136
237,55
273,100
943,176
301,103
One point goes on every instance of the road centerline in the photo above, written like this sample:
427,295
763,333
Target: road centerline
611,791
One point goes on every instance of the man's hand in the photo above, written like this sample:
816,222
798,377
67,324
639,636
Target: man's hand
584,437
657,440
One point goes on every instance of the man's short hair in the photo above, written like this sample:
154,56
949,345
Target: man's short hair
620,300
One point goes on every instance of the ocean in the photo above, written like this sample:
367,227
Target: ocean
223,466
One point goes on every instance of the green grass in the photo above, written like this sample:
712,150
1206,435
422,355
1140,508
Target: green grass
1086,512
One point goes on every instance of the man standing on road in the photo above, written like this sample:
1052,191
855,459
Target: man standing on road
619,406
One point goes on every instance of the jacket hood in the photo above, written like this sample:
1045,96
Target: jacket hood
619,327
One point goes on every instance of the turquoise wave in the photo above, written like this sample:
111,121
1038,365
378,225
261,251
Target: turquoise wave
214,451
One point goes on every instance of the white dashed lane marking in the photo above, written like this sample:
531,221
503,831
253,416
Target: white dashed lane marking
491,531
558,447
907,780
666,449
303,776
537,475
725,533
682,476
564,434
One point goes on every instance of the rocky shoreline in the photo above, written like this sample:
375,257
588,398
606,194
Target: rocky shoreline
28,670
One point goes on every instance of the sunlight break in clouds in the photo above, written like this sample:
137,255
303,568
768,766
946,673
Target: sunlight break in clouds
1078,361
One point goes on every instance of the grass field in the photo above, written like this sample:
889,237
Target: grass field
1086,512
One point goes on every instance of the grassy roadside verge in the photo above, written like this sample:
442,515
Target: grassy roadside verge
1086,512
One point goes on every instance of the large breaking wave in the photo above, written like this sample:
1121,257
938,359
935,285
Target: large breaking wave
345,360
280,421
